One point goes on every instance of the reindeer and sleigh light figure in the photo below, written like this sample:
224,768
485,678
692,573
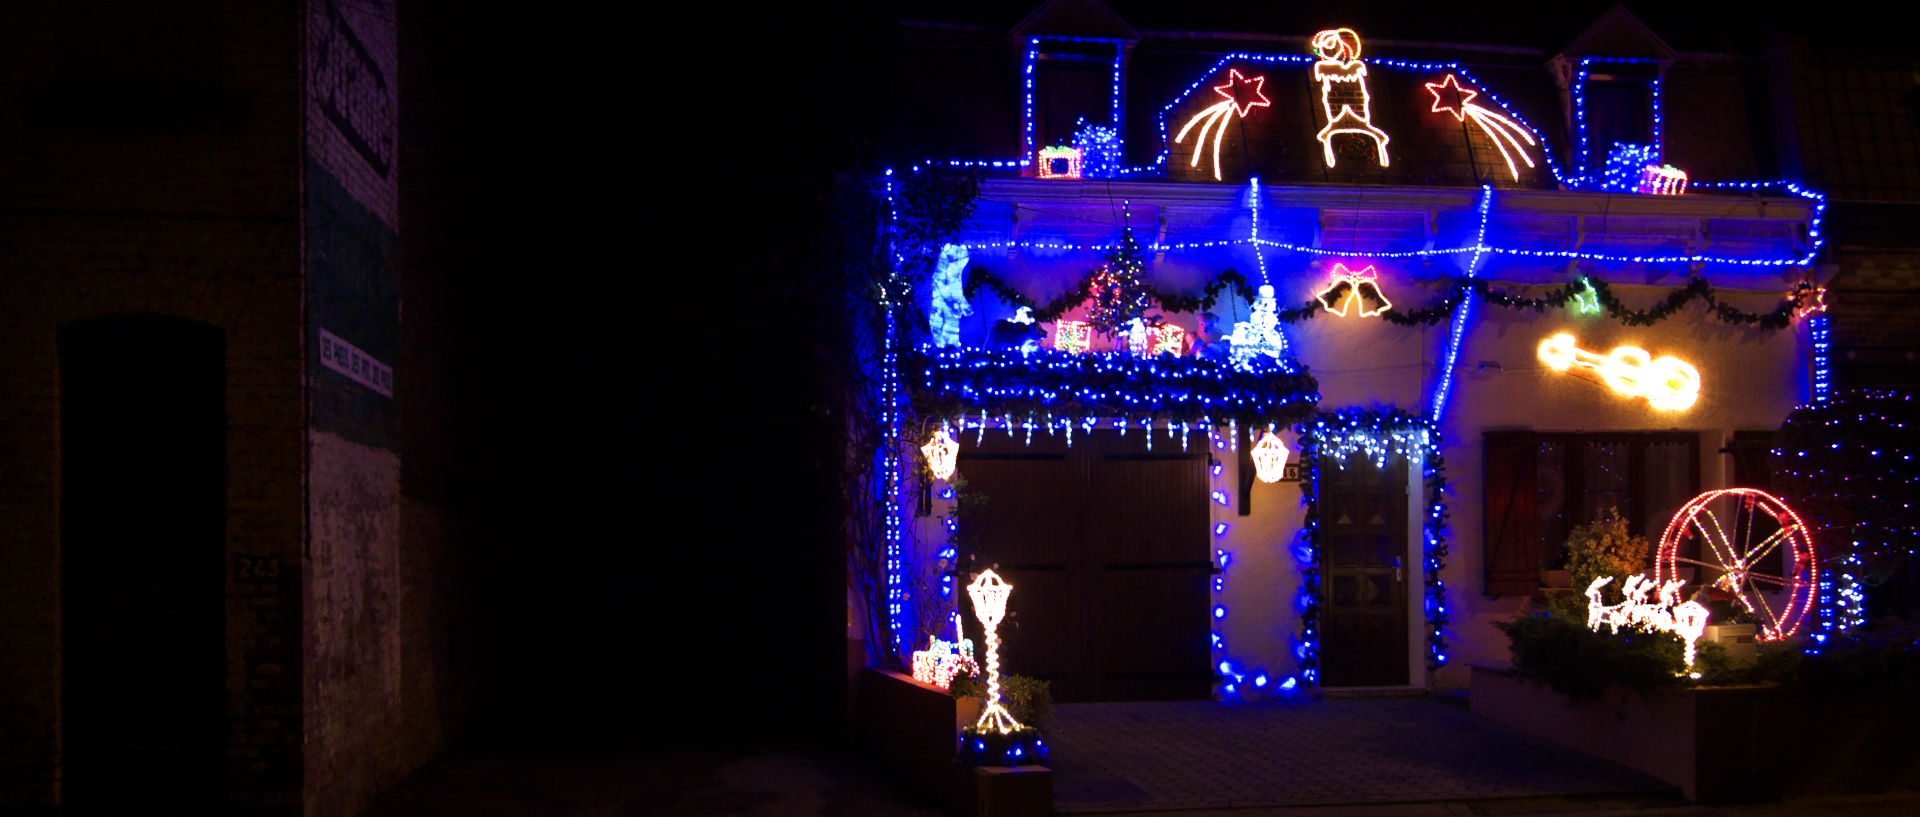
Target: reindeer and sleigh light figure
1666,613
1346,108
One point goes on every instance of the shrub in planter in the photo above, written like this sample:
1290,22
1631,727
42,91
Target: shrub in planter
1557,649
1606,547
1029,699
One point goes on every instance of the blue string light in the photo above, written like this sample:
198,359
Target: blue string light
1816,240
1232,673
1457,332
1026,117
1820,361
1253,199
891,467
956,379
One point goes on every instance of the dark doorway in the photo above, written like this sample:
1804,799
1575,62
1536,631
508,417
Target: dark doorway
1106,546
143,528
1363,592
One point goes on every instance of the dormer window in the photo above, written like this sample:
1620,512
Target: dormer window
1619,110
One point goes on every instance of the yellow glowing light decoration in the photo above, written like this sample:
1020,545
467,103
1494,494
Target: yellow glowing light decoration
989,594
1667,382
1167,339
1269,458
1663,180
942,660
941,451
1666,613
1242,96
1073,336
1343,91
1504,133
1347,289
1049,156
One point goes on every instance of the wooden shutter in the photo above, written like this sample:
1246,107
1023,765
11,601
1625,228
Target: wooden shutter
1752,459
1512,543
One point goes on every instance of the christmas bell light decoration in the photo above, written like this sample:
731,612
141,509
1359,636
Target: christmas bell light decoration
1350,291
941,451
989,594
1269,458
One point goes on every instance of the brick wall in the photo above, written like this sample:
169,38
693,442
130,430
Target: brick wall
151,161
1876,331
151,174
380,610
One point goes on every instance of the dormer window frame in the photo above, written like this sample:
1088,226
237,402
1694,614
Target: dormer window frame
1590,152
1036,54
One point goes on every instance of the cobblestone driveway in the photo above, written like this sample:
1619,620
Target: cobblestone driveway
1198,754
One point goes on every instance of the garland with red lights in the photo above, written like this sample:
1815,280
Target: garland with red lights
1802,296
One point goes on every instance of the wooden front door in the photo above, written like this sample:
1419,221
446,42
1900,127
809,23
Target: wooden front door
1106,546
1363,574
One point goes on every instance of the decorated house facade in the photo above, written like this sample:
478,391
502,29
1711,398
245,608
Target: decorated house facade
1271,362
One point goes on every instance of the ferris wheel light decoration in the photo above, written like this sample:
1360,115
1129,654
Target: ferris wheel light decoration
989,594
1760,525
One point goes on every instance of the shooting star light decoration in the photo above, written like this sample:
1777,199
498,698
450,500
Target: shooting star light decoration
1242,96
1450,97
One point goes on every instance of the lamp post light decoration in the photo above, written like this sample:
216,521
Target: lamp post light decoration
1269,457
989,594
941,452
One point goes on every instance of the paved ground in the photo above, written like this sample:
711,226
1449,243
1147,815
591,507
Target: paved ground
741,783
1183,755
755,783
1329,758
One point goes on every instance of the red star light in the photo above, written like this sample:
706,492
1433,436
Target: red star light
1449,97
1240,88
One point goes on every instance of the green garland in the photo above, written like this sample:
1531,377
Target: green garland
1695,289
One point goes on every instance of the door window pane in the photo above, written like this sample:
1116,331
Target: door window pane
1607,480
1669,484
1550,504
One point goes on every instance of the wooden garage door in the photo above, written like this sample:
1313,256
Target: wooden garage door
1106,546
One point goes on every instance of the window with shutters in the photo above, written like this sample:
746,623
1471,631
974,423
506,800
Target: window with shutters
1540,485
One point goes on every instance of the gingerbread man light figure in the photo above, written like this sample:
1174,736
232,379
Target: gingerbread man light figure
1343,91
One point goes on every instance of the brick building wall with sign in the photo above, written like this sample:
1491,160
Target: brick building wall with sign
165,167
